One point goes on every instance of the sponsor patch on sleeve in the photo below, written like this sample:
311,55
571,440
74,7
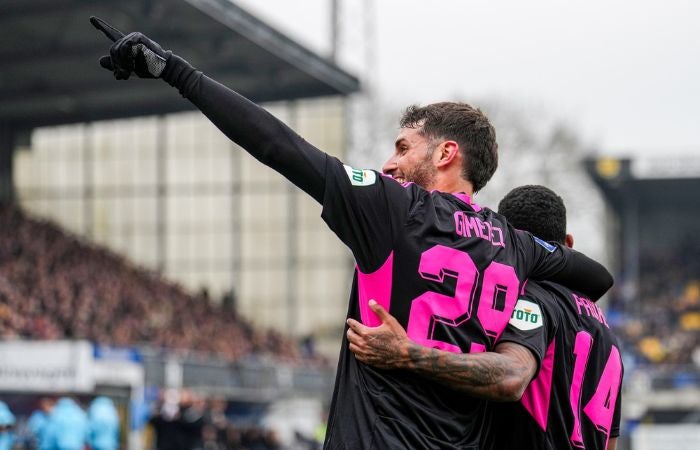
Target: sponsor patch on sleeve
360,177
549,247
526,315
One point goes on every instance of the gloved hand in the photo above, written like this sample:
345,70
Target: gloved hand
131,53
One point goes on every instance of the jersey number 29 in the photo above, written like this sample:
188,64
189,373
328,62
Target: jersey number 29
499,292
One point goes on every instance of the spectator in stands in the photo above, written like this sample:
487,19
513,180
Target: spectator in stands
104,424
210,439
67,428
271,440
216,422
254,439
36,425
234,438
165,421
192,411
7,424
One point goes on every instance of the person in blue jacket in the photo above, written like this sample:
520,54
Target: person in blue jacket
36,425
7,424
104,424
67,427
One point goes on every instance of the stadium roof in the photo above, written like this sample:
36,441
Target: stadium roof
49,73
652,180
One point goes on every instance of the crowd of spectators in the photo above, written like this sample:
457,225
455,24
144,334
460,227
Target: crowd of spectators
659,323
54,285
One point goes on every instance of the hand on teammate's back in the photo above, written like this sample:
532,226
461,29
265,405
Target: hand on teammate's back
131,53
384,346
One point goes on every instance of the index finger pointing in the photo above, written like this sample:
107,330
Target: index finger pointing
112,33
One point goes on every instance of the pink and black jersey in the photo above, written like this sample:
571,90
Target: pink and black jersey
448,271
574,401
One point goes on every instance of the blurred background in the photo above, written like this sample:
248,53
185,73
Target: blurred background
158,283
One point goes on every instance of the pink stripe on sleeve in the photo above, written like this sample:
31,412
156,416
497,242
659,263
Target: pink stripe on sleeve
536,396
377,286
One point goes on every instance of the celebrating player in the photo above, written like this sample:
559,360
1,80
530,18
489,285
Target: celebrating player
574,402
448,270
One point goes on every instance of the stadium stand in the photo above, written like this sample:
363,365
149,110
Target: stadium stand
661,328
55,286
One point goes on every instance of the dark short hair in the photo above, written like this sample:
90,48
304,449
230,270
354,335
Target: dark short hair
467,126
536,209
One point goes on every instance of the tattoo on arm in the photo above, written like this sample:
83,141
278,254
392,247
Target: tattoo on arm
501,375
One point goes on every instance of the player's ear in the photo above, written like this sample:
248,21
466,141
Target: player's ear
569,240
448,151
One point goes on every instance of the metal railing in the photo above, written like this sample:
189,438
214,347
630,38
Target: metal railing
247,379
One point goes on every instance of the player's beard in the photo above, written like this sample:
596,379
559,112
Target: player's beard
424,174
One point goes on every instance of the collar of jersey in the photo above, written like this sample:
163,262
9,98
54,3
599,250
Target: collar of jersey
466,199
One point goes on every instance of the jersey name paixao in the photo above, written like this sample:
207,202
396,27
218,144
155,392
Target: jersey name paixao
574,401
450,272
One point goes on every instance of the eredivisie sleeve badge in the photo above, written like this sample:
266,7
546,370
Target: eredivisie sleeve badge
360,177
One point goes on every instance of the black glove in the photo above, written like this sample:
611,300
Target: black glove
131,53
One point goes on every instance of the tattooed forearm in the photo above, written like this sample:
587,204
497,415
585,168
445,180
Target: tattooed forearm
497,376
481,371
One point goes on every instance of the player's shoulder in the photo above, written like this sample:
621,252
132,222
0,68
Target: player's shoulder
579,310
553,290
559,296
549,299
